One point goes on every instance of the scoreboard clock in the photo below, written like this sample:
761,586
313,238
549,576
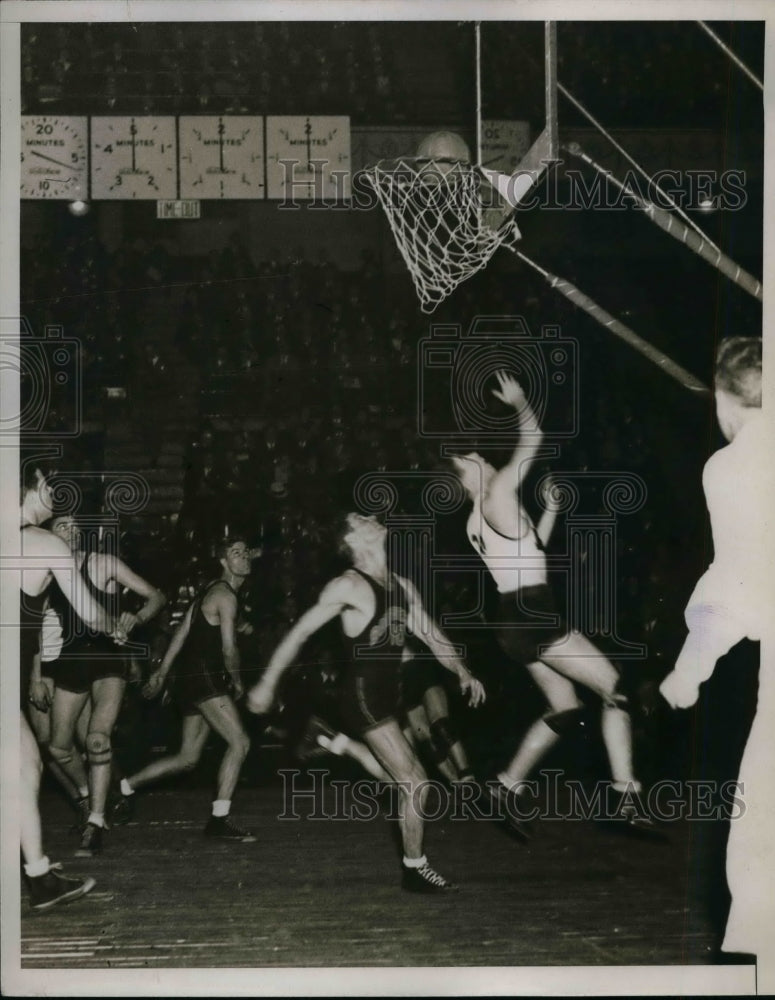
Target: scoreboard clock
308,157
504,144
221,156
133,157
54,157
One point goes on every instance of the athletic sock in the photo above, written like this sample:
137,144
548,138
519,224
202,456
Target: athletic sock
37,868
623,787
83,793
221,807
415,862
126,788
97,819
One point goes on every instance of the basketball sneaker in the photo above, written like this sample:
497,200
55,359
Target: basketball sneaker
628,816
424,879
54,887
82,810
507,808
91,841
121,809
224,828
310,745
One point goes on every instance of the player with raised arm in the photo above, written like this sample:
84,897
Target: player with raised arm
529,629
376,608
207,686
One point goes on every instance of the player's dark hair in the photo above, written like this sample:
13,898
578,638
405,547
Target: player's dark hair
739,369
223,546
28,475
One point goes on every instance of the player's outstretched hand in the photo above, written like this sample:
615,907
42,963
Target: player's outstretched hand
679,691
153,685
510,392
260,699
39,696
474,689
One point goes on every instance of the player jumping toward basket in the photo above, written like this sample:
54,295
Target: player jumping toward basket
512,548
207,686
376,608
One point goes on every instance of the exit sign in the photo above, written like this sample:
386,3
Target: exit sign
186,209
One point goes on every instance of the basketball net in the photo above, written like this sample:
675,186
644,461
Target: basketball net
447,220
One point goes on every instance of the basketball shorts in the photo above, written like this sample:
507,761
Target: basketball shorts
79,666
370,695
197,680
527,621
417,675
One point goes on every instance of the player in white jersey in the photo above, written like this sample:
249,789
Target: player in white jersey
530,630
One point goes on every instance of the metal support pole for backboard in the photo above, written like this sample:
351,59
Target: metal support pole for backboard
550,84
546,148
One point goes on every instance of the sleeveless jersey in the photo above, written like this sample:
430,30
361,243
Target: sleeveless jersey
514,563
203,642
77,635
30,622
383,637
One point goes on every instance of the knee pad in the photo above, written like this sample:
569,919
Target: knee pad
443,736
563,722
98,749
60,755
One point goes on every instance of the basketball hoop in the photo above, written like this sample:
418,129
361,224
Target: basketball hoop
446,217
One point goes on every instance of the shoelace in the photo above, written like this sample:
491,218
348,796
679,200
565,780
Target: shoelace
233,828
431,876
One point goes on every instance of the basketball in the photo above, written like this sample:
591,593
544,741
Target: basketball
443,150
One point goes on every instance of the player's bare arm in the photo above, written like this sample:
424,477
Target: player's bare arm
225,604
422,626
334,598
500,504
118,571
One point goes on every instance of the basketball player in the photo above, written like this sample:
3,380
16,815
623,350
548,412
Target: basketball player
428,721
731,602
49,558
39,709
90,668
207,686
512,548
376,607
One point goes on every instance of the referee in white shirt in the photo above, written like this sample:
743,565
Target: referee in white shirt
729,604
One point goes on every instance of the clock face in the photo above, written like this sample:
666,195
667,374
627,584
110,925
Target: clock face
133,157
308,157
504,144
54,157
221,156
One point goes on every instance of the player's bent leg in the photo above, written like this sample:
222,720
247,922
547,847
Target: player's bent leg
66,708
222,716
389,745
107,694
193,739
565,710
29,787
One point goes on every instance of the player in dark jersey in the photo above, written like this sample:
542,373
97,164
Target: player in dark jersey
530,631
48,558
207,686
376,608
90,668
